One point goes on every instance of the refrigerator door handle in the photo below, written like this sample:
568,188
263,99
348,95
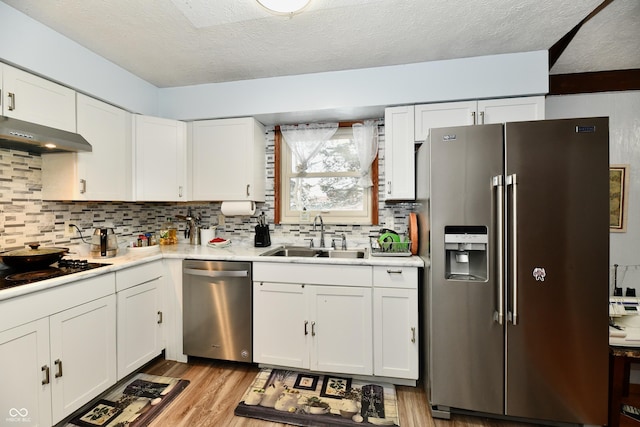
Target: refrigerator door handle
498,184
512,182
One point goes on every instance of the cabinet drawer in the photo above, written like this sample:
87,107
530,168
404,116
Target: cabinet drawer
395,277
139,274
318,274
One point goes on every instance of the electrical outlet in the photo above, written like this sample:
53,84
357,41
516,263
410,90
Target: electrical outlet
69,230
220,219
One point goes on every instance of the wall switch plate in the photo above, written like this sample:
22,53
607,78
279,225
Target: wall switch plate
69,230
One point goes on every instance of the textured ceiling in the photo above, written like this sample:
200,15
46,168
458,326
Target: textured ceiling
184,42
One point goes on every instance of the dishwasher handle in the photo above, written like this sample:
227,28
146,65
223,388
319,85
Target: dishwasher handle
216,273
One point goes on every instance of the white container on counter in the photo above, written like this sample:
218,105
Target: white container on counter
207,234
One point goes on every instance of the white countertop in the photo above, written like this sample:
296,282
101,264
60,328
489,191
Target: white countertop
237,251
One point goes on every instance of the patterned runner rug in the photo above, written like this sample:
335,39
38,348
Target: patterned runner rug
134,403
309,400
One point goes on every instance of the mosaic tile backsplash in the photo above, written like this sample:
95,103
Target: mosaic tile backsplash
25,217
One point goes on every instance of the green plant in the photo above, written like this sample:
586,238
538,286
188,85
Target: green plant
316,402
352,394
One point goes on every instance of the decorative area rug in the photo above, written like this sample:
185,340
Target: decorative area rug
135,403
304,399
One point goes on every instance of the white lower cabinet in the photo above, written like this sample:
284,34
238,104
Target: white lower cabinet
52,366
322,328
83,354
395,322
139,316
25,394
395,340
344,319
280,325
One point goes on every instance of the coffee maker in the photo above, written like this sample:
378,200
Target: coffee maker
104,243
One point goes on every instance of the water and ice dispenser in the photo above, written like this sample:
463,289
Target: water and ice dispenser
466,250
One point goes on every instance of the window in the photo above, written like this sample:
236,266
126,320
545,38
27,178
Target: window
329,186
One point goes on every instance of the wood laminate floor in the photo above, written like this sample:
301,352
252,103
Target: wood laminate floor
216,388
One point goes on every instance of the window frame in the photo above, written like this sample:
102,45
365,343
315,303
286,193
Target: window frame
278,181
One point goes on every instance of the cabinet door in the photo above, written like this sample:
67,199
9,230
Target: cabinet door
395,332
83,354
160,159
281,328
224,149
399,162
106,170
511,109
341,329
139,326
444,114
33,99
25,394
102,174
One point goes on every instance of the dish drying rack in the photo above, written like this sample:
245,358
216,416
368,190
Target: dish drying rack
378,248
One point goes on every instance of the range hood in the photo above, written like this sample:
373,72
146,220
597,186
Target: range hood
25,136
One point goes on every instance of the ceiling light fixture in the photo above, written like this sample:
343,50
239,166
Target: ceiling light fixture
284,7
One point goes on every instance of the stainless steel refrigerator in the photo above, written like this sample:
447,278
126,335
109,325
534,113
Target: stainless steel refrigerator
518,222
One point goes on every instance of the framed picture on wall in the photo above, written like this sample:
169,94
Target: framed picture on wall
618,197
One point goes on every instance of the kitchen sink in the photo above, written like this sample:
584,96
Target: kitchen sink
302,251
347,253
288,251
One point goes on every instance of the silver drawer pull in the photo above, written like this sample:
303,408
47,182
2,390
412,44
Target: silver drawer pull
390,271
159,317
413,335
216,273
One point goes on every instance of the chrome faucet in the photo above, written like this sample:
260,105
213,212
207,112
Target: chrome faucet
321,229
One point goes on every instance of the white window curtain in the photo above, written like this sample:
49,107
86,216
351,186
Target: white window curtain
306,140
365,135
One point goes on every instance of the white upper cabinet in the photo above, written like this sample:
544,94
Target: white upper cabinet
511,110
448,114
160,159
445,114
33,99
102,174
227,160
399,163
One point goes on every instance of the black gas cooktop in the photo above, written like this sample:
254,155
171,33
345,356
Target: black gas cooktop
10,277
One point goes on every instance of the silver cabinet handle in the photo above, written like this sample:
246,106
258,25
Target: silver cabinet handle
481,117
248,194
58,362
180,191
306,332
512,182
313,329
413,335
217,273
473,116
83,186
498,184
388,187
390,271
159,317
45,369
12,101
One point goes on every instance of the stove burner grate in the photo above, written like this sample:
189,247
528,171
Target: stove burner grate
34,275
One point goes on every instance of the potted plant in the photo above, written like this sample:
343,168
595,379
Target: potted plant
350,401
315,405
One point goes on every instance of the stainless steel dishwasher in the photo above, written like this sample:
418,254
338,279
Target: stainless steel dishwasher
216,309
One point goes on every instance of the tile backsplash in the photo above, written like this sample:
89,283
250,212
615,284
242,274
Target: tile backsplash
25,217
